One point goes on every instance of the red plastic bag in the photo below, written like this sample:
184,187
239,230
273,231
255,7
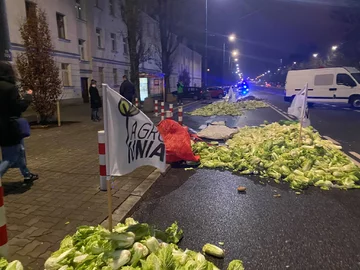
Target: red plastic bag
177,142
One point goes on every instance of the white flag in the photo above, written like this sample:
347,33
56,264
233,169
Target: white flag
131,138
299,107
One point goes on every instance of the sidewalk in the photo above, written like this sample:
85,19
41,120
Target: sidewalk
67,194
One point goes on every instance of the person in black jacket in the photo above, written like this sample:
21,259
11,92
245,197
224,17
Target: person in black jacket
127,89
11,108
95,101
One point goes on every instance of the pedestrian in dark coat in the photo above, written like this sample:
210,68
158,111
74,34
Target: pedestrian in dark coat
95,101
127,89
11,137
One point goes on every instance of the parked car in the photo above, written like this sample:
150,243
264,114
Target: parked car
193,92
216,92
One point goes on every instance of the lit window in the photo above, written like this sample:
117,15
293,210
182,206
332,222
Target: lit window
101,75
113,42
78,8
82,49
66,74
115,74
126,51
112,7
99,37
60,19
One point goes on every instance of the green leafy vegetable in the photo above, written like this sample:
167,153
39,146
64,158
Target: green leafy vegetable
236,265
213,250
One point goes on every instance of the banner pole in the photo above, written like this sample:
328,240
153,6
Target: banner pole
108,183
303,114
108,178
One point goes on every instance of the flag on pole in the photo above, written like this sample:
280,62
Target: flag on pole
299,107
131,138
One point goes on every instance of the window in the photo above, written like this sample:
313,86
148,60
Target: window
126,73
126,51
115,74
113,42
30,8
99,37
82,49
112,7
345,79
60,19
356,76
79,11
101,75
66,74
325,79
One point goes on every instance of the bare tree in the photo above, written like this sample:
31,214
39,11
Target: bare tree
36,65
166,13
139,50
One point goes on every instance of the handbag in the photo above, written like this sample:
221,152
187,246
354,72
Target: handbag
24,127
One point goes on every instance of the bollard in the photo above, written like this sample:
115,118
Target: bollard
4,248
162,111
136,102
180,115
171,108
156,108
102,160
168,115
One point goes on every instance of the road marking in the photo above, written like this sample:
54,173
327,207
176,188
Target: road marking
355,155
278,111
185,105
331,140
202,127
353,160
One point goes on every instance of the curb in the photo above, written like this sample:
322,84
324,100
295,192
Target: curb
135,197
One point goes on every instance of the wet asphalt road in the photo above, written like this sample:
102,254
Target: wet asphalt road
315,230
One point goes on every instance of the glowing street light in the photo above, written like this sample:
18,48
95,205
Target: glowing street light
237,65
236,59
232,37
235,53
295,63
208,69
315,55
334,48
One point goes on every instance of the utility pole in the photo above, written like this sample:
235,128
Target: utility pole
5,46
206,43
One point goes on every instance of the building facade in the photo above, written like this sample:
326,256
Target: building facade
89,38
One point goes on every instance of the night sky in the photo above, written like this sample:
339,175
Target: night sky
268,30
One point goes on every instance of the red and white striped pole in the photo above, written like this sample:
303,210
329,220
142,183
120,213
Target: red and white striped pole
168,115
162,111
180,115
136,102
102,160
4,248
171,109
156,108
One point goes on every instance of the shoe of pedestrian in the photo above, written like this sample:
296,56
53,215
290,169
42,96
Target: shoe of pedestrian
32,177
99,119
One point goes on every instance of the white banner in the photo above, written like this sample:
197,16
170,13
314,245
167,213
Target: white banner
131,139
299,107
232,95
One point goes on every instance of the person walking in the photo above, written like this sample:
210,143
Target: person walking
180,93
127,89
13,128
95,101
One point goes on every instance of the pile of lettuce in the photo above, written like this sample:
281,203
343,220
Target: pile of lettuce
274,151
225,108
14,265
130,246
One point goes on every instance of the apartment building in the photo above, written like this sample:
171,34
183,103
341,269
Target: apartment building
89,38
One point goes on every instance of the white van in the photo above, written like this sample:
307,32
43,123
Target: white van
326,85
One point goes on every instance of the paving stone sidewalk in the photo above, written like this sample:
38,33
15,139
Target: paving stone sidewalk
67,194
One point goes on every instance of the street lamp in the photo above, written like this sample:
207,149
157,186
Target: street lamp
236,59
235,53
232,37
295,63
206,40
315,55
208,70
334,48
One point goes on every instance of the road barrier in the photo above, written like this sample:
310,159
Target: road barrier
168,115
162,111
171,109
102,160
180,115
136,102
156,108
4,247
